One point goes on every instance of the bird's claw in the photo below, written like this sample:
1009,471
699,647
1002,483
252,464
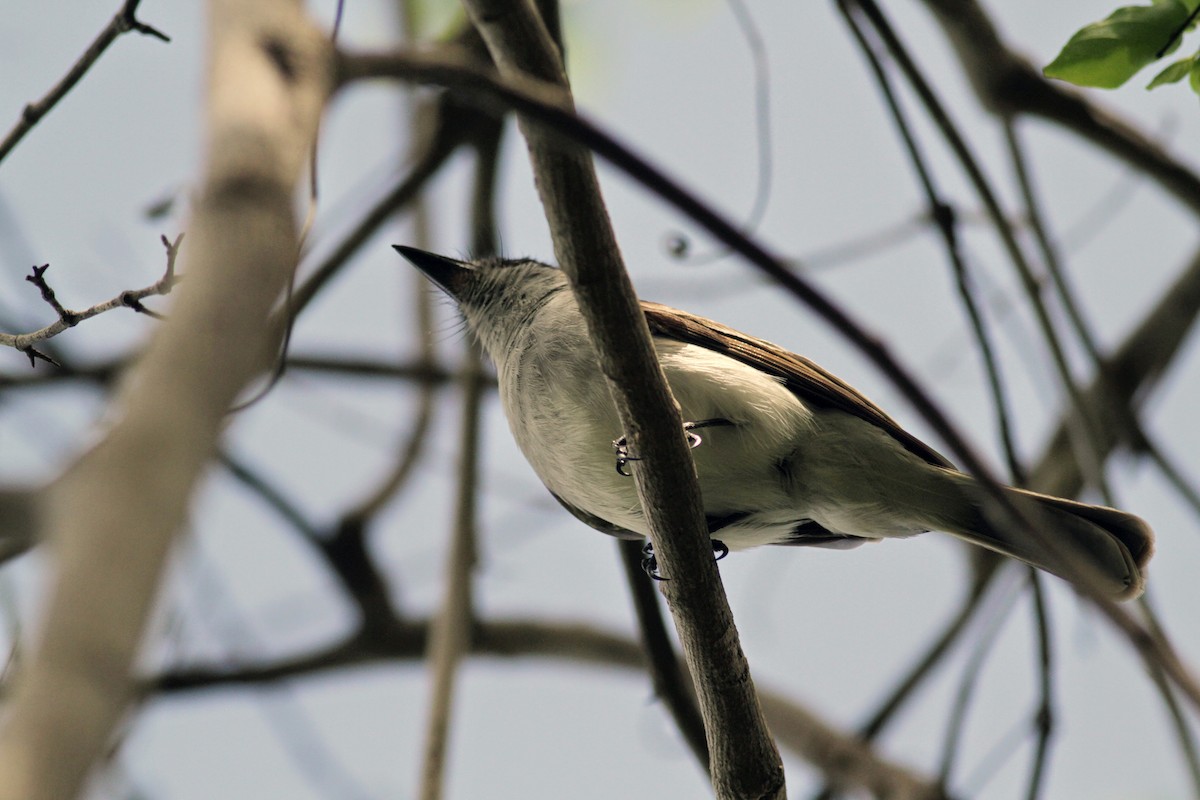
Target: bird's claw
650,561
621,445
621,449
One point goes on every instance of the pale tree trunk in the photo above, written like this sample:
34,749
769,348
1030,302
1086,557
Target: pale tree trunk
109,520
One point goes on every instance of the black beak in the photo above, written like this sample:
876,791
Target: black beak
447,273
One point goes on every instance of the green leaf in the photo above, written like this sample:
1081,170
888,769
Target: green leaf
1105,54
1194,77
1174,73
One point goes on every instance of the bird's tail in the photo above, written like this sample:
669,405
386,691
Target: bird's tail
1078,542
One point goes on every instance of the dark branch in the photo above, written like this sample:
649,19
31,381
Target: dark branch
124,21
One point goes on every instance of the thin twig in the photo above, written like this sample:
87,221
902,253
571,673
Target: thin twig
1135,432
677,243
449,636
1084,425
124,21
68,318
1043,718
966,690
943,216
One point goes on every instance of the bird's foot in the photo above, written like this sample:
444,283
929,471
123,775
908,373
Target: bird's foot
621,446
650,561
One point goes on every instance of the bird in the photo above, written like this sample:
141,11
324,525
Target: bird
786,453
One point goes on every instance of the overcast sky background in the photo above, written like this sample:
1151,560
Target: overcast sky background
676,80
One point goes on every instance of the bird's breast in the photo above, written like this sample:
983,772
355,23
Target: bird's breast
562,416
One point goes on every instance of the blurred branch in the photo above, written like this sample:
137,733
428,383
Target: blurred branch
18,521
342,549
448,124
449,635
68,319
846,761
425,373
449,639
431,375
124,22
1008,85
1043,718
115,510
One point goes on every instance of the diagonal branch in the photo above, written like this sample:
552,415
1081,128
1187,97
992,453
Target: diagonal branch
124,21
744,759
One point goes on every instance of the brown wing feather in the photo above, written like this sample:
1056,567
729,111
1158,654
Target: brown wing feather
810,382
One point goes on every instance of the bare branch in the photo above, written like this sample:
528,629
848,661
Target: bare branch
69,319
1082,426
449,638
18,521
944,218
124,21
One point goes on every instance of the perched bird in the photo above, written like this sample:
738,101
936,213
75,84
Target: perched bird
785,452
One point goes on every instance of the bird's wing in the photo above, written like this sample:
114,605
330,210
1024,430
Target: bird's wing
807,380
599,523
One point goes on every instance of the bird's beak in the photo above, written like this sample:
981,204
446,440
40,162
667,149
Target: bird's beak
447,273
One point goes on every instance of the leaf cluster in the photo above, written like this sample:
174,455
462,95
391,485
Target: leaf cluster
1108,53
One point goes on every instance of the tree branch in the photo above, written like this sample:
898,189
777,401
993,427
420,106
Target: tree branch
124,21
449,638
744,760
68,319
847,762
